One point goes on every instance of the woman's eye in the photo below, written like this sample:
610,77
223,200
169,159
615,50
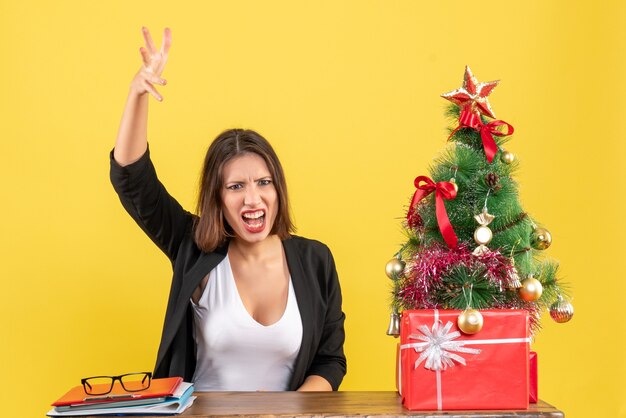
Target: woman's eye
265,182
234,187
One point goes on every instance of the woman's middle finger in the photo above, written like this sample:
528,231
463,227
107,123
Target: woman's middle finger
167,41
161,65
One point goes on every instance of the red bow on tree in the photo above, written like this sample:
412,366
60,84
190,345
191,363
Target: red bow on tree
443,190
469,119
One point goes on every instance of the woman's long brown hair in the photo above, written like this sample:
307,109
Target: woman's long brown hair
211,229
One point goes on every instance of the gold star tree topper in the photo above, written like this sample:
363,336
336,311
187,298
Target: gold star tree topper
472,96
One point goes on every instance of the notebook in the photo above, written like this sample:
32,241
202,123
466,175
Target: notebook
159,388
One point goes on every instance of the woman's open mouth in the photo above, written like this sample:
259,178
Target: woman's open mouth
254,220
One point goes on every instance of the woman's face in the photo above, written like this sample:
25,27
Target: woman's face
249,197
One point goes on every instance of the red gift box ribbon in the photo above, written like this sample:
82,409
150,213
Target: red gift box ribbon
419,347
438,349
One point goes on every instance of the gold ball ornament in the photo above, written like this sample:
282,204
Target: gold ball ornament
470,321
395,268
540,239
561,311
456,186
531,289
507,157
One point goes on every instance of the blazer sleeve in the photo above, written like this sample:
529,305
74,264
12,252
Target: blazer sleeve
329,361
147,201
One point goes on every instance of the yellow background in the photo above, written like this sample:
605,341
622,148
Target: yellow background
348,93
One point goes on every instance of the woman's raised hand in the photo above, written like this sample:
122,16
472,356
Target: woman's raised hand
153,64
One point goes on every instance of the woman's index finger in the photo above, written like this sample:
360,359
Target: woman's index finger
149,43
167,41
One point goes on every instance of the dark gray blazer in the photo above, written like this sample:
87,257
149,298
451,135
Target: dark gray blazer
170,227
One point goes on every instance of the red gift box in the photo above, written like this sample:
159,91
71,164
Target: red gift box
532,388
444,369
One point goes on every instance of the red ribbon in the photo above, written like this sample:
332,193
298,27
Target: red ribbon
468,119
486,132
443,190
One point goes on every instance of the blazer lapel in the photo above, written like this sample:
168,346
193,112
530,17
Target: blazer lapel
206,262
302,291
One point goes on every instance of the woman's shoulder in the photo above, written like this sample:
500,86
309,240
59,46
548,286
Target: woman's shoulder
312,263
303,242
306,247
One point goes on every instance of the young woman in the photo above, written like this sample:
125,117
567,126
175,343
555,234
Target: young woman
251,307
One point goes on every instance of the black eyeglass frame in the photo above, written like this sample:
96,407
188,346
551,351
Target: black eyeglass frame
85,382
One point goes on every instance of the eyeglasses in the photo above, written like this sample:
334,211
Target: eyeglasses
131,382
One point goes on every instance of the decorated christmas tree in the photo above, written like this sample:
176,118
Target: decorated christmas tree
470,244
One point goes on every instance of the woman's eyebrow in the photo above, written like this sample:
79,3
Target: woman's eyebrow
237,180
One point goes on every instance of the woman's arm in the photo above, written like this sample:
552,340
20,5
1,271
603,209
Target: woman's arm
315,383
329,363
132,174
132,140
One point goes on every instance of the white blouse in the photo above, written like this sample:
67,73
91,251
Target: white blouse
234,351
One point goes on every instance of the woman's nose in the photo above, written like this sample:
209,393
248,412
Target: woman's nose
252,196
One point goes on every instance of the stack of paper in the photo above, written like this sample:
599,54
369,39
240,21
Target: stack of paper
164,397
